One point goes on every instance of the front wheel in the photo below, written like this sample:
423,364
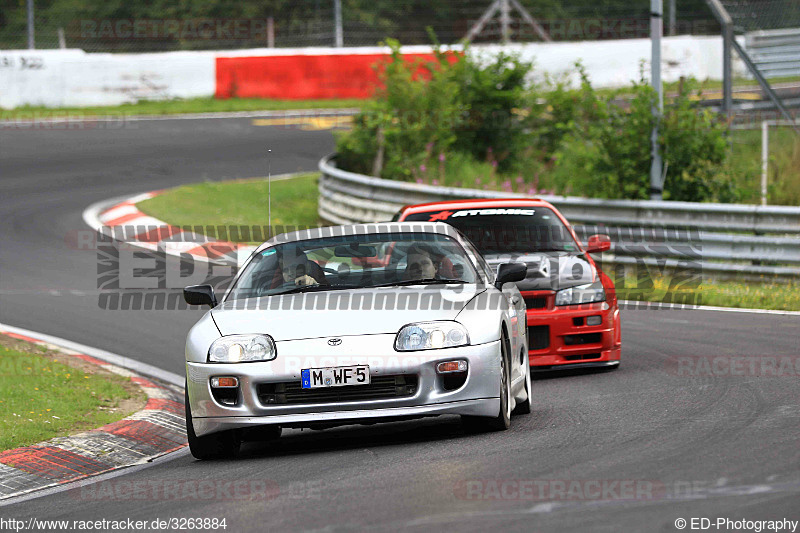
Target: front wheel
502,421
214,446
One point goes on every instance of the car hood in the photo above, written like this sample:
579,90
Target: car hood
342,313
549,270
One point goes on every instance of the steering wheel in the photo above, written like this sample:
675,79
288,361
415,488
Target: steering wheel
330,270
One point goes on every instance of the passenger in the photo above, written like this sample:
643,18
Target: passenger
425,263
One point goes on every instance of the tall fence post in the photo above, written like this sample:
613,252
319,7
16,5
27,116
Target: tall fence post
505,21
725,20
31,38
673,18
656,30
270,32
337,15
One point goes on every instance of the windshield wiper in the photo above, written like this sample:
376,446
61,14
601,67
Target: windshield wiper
423,281
314,288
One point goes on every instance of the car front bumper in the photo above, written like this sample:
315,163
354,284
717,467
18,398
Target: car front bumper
479,395
560,337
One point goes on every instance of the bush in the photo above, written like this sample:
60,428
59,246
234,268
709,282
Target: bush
606,153
450,104
474,121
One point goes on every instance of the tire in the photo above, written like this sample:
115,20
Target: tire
525,407
215,446
502,421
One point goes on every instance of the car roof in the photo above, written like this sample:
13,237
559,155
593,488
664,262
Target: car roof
363,229
477,203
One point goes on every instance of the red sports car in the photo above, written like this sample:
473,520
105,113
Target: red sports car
573,316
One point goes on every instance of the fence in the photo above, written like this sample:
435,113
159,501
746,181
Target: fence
776,53
720,240
131,27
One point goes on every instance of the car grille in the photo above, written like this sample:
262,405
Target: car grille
380,388
585,338
536,302
538,337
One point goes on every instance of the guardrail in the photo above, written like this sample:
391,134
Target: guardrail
775,52
723,240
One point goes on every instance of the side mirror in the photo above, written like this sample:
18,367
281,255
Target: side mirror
200,295
509,273
598,243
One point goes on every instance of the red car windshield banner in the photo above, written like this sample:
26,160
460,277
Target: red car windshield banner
446,215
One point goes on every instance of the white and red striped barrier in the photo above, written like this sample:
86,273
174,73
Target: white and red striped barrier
73,78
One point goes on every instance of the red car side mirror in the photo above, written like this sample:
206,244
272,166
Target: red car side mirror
598,243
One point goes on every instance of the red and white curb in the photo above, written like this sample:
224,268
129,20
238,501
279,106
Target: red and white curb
154,431
124,222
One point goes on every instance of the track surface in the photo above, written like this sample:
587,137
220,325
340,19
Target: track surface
710,446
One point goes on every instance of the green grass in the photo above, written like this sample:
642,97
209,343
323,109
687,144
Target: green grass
784,165
238,203
172,107
737,83
722,293
41,397
709,86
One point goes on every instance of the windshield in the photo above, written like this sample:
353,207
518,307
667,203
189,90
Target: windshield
355,261
518,230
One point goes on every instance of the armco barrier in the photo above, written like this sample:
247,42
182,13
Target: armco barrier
720,239
776,53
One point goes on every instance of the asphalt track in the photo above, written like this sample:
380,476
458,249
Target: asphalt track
692,446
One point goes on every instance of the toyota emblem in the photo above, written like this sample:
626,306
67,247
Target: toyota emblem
334,342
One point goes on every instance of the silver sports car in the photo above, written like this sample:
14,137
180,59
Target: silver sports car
356,324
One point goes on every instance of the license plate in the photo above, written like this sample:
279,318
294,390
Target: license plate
340,376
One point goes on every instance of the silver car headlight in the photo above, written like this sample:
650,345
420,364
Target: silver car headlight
581,294
242,349
431,336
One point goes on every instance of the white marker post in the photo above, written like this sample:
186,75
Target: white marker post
764,160
269,191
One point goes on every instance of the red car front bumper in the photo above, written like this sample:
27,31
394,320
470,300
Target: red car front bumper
568,336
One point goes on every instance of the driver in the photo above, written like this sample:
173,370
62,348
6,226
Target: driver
296,268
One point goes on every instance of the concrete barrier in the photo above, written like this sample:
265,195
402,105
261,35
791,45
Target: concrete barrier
59,78
73,78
